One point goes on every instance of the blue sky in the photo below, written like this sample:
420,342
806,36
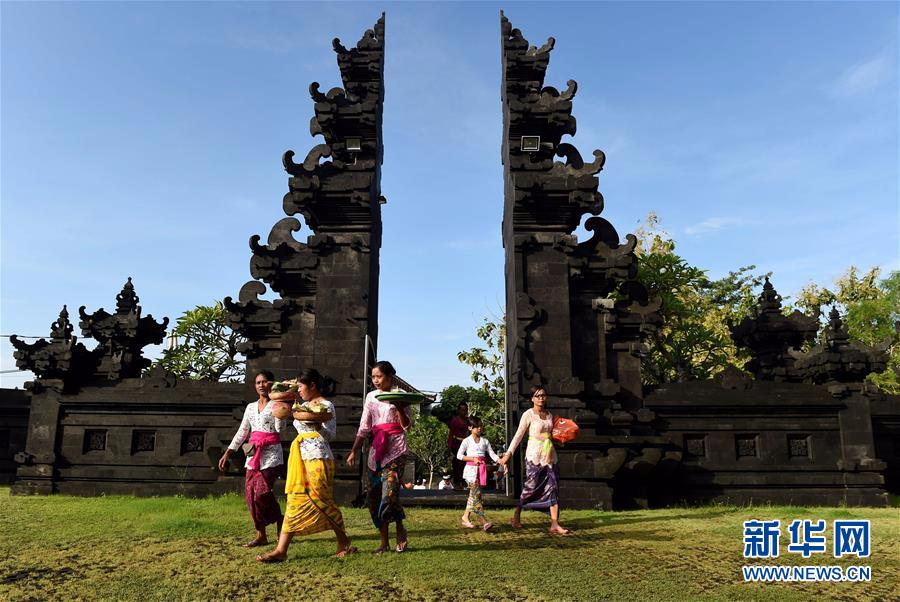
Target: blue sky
144,140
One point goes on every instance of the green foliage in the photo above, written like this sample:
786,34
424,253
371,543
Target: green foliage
208,346
694,342
871,311
487,362
482,404
427,441
487,402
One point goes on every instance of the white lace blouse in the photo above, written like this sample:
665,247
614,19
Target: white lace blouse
254,420
316,448
470,448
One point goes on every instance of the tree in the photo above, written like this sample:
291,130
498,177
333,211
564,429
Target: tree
481,404
488,402
427,442
870,310
208,350
694,341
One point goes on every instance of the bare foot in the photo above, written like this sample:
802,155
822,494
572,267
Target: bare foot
558,530
346,552
255,543
467,524
516,524
272,556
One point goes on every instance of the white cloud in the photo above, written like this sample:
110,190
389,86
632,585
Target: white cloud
862,77
715,223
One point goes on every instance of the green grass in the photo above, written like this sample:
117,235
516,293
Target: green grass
174,548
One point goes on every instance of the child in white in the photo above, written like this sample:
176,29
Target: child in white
474,451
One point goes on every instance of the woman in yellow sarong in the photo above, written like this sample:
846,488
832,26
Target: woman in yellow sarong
310,479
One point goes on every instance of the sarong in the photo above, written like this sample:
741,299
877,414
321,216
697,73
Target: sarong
310,495
384,493
541,487
260,498
474,503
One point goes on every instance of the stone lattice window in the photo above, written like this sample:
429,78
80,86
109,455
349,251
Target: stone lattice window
745,446
798,446
94,440
192,441
695,446
143,441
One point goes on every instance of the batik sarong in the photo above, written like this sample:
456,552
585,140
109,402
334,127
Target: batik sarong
541,487
474,502
310,494
384,492
260,498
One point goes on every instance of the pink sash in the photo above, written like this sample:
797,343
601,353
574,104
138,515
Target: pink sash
482,472
380,433
260,439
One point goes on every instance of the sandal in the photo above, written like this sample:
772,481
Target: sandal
346,552
487,526
467,524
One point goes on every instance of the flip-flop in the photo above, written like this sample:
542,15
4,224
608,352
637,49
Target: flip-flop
487,526
401,546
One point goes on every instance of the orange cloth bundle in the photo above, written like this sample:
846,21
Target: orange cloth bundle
564,430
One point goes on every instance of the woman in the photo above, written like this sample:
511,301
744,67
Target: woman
387,423
541,488
263,465
310,479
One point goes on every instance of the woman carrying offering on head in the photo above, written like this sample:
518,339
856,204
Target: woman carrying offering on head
263,466
541,488
387,423
310,477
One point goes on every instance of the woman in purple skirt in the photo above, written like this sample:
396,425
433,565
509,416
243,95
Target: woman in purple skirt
541,488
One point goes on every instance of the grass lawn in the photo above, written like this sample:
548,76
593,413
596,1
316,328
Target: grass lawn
184,549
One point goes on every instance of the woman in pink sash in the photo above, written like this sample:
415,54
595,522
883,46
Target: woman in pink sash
264,465
387,424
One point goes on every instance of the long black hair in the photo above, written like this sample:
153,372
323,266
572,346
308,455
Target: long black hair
311,377
385,368
270,376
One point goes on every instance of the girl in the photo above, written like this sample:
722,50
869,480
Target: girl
263,466
541,488
474,450
387,423
310,479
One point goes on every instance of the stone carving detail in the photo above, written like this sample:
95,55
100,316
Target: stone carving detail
745,446
838,360
326,284
122,336
769,335
63,364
